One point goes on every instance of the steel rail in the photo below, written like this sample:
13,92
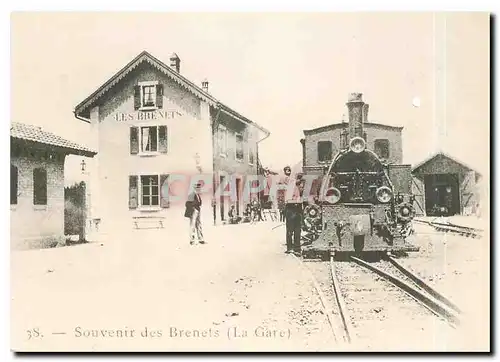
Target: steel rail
423,285
323,300
456,226
453,228
432,305
346,324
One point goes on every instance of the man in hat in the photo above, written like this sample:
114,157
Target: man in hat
284,180
193,210
293,214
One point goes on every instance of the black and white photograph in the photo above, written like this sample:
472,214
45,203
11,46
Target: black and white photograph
250,182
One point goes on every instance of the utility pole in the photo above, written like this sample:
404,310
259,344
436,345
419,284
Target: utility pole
440,81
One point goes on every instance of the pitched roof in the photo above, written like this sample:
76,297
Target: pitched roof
346,124
441,154
175,76
32,133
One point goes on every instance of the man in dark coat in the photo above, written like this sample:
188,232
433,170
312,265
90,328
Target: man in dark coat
193,210
293,216
284,180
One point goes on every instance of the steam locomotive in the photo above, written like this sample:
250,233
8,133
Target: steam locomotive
363,203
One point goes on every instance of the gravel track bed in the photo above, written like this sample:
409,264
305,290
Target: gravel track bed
459,268
383,317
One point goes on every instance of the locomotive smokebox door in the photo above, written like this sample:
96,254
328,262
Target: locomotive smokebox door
360,224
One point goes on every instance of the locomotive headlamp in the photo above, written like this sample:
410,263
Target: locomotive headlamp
357,145
412,199
332,195
384,194
399,198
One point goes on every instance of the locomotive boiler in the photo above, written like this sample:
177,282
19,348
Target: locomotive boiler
364,203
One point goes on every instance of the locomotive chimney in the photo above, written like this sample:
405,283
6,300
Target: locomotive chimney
356,109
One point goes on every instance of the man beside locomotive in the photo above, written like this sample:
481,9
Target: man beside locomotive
284,180
293,214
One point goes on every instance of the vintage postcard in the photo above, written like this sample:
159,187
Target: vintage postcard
250,182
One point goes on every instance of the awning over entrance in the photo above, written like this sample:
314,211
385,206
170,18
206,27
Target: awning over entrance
444,186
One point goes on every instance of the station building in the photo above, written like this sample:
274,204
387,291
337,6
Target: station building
151,124
37,185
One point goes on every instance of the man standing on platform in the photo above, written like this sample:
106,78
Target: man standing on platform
284,180
293,214
193,210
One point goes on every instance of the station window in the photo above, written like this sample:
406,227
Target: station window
239,146
39,186
222,140
148,95
251,149
13,184
251,155
150,190
381,148
148,139
325,151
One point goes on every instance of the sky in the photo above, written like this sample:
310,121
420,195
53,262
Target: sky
286,71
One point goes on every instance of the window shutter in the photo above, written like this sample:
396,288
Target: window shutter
164,199
137,97
134,140
159,95
163,139
133,192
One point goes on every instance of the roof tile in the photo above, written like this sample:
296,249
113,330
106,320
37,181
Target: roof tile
36,134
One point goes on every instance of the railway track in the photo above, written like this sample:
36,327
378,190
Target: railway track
324,283
356,305
448,227
420,291
382,295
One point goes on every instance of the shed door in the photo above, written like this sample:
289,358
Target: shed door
467,200
417,188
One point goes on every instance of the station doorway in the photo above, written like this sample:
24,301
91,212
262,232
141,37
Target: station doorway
442,196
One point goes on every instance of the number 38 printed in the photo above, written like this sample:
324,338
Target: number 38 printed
34,333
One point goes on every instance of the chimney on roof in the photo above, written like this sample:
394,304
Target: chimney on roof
356,107
204,85
175,62
366,106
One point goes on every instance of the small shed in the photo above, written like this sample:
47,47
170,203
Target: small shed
445,186
37,185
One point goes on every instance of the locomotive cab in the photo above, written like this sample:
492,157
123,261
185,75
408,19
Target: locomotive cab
358,207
